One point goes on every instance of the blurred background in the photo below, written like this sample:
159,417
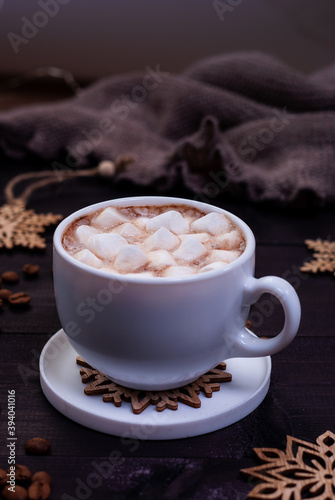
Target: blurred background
92,39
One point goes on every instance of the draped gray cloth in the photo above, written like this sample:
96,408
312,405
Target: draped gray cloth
243,124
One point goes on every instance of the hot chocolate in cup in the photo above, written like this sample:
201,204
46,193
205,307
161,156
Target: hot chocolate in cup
155,291
154,240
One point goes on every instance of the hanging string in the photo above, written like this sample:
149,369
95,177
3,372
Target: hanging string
105,168
22,227
47,179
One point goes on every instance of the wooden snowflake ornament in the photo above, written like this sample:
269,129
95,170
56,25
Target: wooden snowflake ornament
323,257
305,470
22,227
162,400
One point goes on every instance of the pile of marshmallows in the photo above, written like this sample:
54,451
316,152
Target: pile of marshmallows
164,245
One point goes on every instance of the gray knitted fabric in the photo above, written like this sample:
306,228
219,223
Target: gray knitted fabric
243,124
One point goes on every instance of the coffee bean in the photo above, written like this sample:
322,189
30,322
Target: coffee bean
41,476
22,473
3,478
39,491
30,269
19,299
10,277
20,493
5,294
37,446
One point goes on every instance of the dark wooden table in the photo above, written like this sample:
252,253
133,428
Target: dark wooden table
300,401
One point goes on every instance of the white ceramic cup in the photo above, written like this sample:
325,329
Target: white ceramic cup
158,333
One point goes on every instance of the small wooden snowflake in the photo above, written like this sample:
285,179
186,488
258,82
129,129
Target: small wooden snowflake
162,400
305,470
22,227
323,257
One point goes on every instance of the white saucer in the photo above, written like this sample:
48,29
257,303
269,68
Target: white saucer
62,385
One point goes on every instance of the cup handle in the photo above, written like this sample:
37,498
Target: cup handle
246,344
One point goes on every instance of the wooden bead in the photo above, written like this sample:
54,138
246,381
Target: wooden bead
106,168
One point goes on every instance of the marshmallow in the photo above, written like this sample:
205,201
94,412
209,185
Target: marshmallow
128,230
223,256
212,267
87,257
175,271
141,211
141,222
109,218
162,239
160,259
83,232
228,241
202,237
129,259
213,223
190,249
106,245
171,220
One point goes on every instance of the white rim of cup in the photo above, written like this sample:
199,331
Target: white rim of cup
153,200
